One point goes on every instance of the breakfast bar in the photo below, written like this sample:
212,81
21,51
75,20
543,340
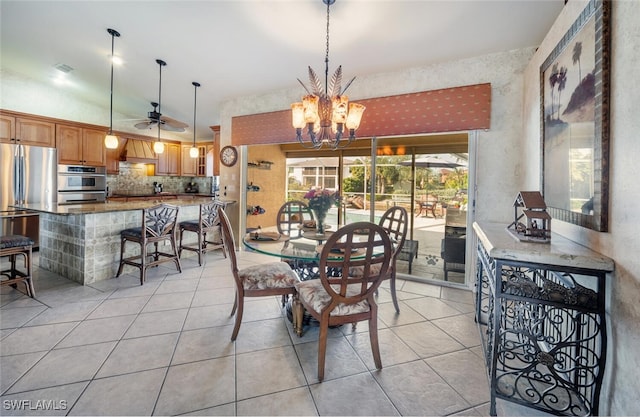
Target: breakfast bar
82,242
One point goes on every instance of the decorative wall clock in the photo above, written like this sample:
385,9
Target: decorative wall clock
229,156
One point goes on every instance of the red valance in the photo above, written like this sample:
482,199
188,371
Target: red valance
445,110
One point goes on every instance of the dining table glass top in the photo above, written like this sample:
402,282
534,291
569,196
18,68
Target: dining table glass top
305,247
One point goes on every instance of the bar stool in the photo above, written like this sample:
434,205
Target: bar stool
208,222
12,246
158,224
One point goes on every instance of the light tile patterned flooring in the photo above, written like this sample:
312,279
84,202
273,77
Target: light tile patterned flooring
118,348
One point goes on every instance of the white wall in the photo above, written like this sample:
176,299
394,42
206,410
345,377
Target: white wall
622,242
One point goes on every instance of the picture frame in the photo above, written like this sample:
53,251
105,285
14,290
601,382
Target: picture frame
574,111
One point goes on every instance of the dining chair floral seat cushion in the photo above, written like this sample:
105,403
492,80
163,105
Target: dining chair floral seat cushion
272,275
263,280
314,294
338,297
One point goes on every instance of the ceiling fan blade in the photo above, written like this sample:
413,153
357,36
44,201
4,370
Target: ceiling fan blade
171,128
173,122
147,124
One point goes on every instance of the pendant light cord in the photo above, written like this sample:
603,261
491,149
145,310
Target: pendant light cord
195,92
326,57
113,34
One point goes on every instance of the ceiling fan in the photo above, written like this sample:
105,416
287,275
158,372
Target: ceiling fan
166,123
155,118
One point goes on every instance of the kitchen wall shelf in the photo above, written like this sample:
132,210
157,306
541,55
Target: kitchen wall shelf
260,164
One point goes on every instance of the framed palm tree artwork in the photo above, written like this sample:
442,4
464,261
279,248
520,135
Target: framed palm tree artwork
574,89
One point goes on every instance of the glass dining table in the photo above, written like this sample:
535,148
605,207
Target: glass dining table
301,252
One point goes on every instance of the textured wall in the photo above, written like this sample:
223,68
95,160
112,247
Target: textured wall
622,241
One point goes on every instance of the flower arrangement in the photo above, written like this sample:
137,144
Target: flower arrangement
322,199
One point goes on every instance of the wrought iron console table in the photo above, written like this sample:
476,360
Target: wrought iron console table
540,309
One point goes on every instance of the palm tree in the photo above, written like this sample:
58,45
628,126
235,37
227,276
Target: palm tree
562,82
577,52
553,80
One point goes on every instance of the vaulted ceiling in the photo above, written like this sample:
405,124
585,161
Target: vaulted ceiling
245,47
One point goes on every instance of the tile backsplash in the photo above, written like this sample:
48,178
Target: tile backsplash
133,179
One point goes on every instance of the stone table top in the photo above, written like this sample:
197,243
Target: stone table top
561,251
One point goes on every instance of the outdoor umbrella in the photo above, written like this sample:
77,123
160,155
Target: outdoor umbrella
431,162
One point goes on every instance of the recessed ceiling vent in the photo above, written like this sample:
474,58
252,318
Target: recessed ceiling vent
63,68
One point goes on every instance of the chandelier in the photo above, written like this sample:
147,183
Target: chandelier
326,112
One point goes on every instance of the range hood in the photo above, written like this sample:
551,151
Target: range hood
138,151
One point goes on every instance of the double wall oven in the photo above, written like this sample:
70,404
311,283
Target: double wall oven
79,184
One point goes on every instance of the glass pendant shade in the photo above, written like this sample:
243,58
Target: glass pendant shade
297,115
355,115
158,147
194,152
111,141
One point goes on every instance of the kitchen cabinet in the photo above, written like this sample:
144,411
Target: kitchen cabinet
169,160
216,151
77,145
27,131
194,167
113,157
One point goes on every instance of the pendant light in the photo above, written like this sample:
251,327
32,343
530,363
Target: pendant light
111,140
158,147
193,152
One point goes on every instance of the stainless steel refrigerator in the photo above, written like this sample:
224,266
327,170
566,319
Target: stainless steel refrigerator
28,174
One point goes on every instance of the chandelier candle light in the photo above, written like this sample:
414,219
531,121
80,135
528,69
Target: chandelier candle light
111,140
326,112
193,152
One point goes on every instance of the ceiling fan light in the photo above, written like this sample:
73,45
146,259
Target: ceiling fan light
194,152
111,141
158,147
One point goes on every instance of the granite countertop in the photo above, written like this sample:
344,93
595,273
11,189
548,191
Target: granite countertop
133,194
111,206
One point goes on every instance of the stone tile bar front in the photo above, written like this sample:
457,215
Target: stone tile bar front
82,242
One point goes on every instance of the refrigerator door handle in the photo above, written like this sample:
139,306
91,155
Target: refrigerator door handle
20,175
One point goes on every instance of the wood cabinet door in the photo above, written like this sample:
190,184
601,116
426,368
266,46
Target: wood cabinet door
7,128
93,150
69,141
169,160
189,164
35,132
112,157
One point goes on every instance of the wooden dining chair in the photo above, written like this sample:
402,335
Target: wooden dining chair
338,297
158,225
274,278
291,218
207,223
396,222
